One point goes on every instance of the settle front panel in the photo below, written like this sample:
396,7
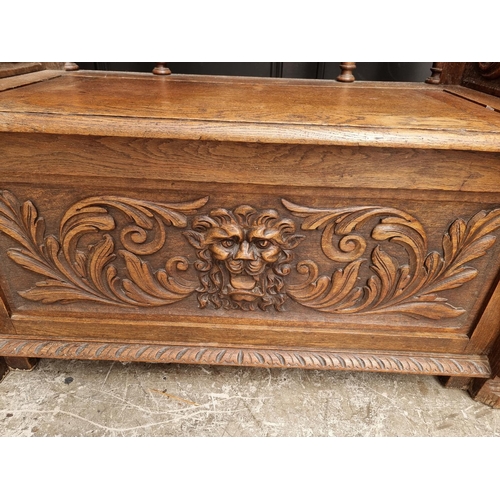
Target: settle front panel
234,244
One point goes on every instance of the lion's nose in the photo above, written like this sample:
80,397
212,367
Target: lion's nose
244,252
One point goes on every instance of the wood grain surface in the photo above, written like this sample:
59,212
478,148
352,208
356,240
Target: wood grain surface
399,173
28,79
19,68
488,391
223,101
5,321
233,109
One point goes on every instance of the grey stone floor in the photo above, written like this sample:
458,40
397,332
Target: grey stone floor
83,398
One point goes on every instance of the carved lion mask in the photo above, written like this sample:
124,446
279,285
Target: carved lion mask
243,256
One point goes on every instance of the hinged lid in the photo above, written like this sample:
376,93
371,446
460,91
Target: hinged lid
249,109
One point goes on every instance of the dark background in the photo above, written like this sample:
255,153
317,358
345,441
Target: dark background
379,71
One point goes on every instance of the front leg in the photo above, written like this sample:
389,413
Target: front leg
4,369
18,363
487,391
455,382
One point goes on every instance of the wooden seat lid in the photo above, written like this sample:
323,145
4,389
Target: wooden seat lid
249,109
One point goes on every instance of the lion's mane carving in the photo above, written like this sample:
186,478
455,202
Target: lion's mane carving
243,256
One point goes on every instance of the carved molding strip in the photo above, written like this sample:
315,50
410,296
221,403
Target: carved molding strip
245,256
424,363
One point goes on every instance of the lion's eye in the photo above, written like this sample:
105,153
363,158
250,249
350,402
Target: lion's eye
262,243
227,243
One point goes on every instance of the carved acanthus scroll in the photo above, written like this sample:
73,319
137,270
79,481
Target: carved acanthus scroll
74,271
411,288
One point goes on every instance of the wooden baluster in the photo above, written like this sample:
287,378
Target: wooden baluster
161,69
70,66
320,70
347,68
436,70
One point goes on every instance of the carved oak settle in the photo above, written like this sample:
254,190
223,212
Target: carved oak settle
250,221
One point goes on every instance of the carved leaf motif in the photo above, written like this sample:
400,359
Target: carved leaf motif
75,274
14,224
327,294
428,309
410,288
35,225
52,291
146,287
100,255
26,260
386,268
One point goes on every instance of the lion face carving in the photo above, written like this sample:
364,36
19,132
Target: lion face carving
243,257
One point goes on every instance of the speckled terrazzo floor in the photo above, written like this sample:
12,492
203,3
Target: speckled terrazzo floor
83,398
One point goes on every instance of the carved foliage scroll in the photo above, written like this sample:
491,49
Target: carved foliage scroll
104,249
411,287
75,272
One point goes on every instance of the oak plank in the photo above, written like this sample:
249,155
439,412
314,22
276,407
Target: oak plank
18,68
227,332
121,158
28,79
6,326
427,109
217,109
487,329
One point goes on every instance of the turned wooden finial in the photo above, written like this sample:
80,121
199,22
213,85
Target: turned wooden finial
347,68
161,69
70,66
436,70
